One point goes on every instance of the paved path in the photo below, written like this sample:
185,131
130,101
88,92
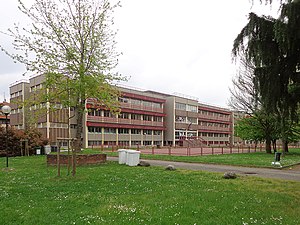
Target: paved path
283,174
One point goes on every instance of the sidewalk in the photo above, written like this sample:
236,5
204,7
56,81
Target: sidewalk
293,175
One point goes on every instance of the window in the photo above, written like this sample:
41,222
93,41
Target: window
147,132
95,129
135,102
124,115
97,112
109,130
123,131
135,117
192,120
191,108
125,100
180,119
157,118
146,103
157,132
135,131
156,105
108,114
210,134
180,106
147,117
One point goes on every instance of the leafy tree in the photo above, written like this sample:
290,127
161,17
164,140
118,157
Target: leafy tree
72,43
13,139
258,127
273,46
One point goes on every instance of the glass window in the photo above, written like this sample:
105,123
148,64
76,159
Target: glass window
157,132
192,108
123,131
124,115
147,132
109,130
146,103
156,105
180,106
192,120
135,117
180,119
147,117
135,131
157,118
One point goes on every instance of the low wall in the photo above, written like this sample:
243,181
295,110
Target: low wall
80,159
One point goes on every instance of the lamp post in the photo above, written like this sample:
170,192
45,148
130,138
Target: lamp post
6,110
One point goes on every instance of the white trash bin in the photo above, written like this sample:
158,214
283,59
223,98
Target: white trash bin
133,158
127,155
122,156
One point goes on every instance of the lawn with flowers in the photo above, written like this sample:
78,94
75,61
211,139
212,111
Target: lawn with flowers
31,193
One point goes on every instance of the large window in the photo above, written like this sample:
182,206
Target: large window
147,132
123,131
109,130
147,117
157,118
156,105
135,131
192,120
95,129
135,117
157,132
124,115
180,106
191,108
180,119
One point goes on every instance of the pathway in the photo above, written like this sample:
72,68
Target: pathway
283,174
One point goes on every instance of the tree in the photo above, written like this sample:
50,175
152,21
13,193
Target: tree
273,46
258,127
14,137
72,43
244,93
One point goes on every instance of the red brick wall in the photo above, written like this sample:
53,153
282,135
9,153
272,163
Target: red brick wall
80,159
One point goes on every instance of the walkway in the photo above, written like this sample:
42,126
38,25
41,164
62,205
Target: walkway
283,174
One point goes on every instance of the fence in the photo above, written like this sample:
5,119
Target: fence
190,151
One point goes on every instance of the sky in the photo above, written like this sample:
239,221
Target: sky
169,46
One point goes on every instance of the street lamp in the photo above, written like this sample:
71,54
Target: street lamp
6,110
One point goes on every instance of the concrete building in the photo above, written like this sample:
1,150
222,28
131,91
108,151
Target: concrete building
147,118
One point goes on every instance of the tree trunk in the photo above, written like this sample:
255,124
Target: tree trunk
268,146
274,145
285,146
80,112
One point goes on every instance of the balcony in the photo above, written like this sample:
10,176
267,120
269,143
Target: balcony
140,107
123,121
213,118
213,128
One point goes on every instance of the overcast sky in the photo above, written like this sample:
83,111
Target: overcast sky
170,46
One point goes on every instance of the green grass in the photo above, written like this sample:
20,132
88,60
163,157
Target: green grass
117,194
257,159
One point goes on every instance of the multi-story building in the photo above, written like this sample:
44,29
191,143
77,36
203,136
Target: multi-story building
141,121
214,125
147,118
19,92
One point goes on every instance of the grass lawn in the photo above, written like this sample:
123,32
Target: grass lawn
257,159
117,194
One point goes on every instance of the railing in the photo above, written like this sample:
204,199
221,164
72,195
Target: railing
124,121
